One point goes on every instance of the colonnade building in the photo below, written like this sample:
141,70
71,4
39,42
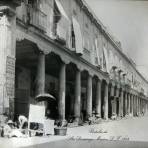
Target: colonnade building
59,47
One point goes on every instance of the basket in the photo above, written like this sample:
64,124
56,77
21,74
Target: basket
61,131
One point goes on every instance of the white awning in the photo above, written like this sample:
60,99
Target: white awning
61,9
106,59
78,36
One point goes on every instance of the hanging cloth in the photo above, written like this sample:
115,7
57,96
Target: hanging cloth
106,59
61,9
78,36
97,50
64,22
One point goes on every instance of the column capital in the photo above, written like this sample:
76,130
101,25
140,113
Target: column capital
40,52
79,67
91,74
99,80
43,49
112,83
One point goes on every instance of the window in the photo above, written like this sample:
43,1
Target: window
86,40
73,37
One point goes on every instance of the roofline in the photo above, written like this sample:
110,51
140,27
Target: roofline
100,25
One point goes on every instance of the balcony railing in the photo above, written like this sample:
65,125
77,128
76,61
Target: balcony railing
37,18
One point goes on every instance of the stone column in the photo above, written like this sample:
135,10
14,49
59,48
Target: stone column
131,104
62,86
77,105
115,105
98,98
128,104
125,103
146,107
112,94
7,59
142,106
106,102
138,105
135,102
117,97
121,104
89,96
40,77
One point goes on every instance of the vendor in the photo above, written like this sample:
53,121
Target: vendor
22,121
11,124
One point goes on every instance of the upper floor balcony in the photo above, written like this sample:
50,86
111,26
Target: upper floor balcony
37,18
32,16
60,31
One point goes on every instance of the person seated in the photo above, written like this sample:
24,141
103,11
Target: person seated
11,124
22,121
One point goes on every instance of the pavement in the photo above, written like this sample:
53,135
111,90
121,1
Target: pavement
133,129
121,132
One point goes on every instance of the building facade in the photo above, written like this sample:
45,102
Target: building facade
59,47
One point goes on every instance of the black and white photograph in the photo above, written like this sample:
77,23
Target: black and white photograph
73,73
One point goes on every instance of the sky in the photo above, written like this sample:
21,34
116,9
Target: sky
127,20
